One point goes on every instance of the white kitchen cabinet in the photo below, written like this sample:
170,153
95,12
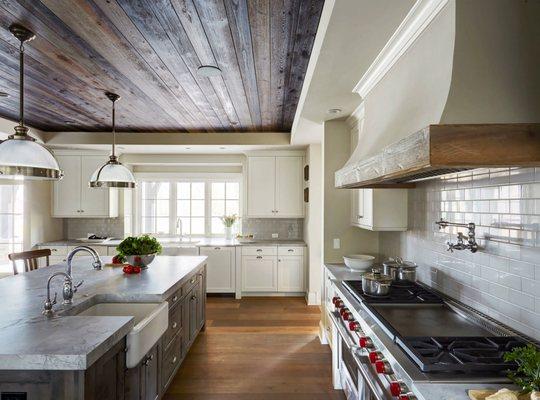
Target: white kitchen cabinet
220,269
259,274
71,195
291,274
379,209
274,187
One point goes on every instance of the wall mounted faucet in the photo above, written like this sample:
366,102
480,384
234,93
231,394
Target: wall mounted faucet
461,245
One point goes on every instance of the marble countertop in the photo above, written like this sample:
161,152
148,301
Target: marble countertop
199,242
31,341
424,390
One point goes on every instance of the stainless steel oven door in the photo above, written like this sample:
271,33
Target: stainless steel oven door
355,369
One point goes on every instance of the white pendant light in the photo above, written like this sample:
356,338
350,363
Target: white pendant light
112,174
21,157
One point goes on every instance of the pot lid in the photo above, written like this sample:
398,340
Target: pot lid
376,275
398,262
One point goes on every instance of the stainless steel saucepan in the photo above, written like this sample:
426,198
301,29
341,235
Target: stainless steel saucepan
375,283
401,272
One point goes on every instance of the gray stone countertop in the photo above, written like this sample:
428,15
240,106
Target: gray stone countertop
199,242
425,390
31,341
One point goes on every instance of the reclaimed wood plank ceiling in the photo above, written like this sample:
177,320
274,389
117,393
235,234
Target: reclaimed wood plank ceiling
148,51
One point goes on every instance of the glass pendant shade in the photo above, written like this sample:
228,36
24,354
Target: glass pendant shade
112,174
27,159
20,156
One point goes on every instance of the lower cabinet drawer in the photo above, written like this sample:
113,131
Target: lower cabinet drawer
176,323
171,359
190,283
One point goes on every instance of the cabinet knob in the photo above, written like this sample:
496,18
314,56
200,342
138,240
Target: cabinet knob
175,298
217,248
360,216
193,297
173,360
192,280
174,325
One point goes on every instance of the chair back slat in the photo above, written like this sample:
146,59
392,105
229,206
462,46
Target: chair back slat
30,259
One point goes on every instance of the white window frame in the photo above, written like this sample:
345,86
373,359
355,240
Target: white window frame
174,178
12,213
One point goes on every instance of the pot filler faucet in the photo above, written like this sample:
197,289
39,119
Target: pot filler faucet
461,245
68,288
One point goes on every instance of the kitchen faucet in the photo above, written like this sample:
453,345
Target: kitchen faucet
96,263
179,225
67,291
461,245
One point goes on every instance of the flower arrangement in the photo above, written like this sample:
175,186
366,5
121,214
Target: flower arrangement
229,220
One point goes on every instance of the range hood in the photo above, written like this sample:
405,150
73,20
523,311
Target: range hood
453,89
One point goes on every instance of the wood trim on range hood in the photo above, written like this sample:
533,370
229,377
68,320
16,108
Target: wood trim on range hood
441,149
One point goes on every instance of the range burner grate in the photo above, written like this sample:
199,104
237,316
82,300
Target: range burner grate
466,354
412,294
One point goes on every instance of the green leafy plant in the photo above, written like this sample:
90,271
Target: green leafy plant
527,375
229,220
136,246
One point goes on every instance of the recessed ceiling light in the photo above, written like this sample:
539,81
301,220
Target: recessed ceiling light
4,94
334,111
208,71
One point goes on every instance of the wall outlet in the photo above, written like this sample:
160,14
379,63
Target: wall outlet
337,243
275,235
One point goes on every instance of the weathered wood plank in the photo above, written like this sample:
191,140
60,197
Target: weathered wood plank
237,13
216,26
259,17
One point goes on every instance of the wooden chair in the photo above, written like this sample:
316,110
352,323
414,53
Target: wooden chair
29,258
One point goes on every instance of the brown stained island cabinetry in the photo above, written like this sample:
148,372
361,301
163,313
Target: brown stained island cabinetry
108,378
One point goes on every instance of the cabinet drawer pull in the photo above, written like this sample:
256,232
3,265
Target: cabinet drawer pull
174,325
192,280
174,298
217,248
290,250
259,250
173,361
259,256
54,250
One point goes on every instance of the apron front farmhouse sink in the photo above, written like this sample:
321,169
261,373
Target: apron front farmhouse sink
151,322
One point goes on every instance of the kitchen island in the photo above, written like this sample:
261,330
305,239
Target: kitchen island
83,357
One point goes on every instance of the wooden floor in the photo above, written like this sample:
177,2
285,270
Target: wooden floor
257,349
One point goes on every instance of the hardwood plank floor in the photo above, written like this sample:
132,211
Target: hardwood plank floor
257,349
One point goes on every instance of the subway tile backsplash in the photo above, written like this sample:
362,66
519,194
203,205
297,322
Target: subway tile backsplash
263,228
503,278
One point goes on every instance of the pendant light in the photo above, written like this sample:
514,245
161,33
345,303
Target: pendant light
112,174
21,157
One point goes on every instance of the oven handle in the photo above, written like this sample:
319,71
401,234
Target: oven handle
364,366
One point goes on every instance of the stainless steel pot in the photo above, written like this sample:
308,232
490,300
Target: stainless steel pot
375,283
401,272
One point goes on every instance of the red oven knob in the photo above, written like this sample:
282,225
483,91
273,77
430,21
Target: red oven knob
339,304
374,356
407,397
397,388
334,299
383,367
343,311
354,326
346,316
365,342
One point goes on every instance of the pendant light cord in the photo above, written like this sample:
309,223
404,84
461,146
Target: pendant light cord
113,128
21,81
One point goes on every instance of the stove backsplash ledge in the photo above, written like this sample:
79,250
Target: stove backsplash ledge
502,279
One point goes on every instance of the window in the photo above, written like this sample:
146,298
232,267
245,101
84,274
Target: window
11,219
195,205
225,201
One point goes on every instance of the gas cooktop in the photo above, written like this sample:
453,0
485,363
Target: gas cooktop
451,354
413,294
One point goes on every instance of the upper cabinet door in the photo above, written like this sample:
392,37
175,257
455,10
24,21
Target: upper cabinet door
380,209
67,191
94,202
261,187
289,188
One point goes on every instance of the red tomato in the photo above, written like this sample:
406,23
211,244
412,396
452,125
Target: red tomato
117,259
128,269
136,270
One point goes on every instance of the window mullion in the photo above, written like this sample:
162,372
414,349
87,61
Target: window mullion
208,208
173,207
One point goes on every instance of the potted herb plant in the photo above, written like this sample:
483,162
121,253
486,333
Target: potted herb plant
139,251
527,375
228,221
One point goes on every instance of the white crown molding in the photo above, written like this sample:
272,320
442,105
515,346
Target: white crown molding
356,115
412,26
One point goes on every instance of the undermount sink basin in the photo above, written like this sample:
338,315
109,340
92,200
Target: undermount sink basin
151,322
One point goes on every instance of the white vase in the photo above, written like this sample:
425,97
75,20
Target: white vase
228,232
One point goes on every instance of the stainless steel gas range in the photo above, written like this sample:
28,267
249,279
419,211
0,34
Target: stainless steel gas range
388,347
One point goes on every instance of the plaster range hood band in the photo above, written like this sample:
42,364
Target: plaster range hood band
441,149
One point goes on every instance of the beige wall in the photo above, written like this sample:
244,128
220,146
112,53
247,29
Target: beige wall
337,202
39,225
313,223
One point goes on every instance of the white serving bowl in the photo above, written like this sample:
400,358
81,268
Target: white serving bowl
359,262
